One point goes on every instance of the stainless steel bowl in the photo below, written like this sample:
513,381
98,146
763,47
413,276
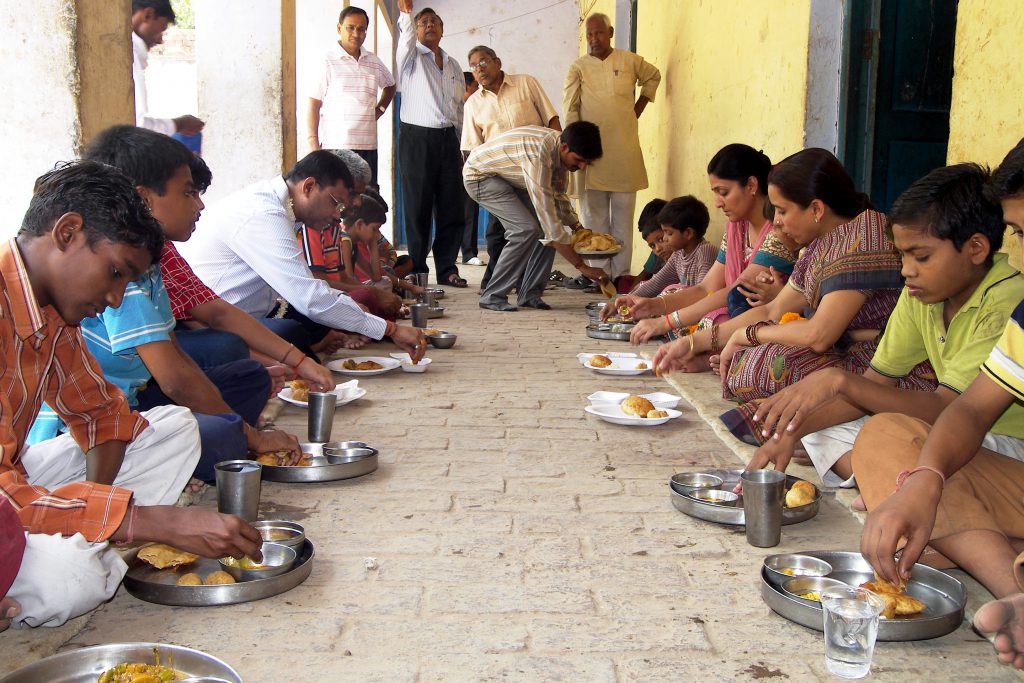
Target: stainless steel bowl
714,496
801,585
438,293
684,482
442,341
435,312
277,559
800,565
339,445
336,456
280,531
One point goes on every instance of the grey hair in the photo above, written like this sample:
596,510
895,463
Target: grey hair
357,166
602,16
482,48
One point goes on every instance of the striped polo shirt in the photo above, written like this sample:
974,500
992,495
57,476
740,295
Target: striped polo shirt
348,89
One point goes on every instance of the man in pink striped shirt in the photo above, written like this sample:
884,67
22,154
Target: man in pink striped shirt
343,105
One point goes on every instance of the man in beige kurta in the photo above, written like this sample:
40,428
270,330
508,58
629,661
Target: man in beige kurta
503,102
601,87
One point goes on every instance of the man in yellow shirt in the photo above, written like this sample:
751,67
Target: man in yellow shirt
600,87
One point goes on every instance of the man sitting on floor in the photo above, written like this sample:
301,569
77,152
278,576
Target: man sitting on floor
521,177
116,475
245,250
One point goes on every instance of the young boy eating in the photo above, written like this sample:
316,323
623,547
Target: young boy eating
959,294
683,221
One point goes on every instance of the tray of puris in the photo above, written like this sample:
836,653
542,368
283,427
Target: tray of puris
146,582
943,597
330,461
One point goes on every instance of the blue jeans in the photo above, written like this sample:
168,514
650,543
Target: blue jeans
244,385
210,348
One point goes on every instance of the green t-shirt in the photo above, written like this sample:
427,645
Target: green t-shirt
916,332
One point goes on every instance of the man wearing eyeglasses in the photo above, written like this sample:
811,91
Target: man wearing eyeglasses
503,102
429,160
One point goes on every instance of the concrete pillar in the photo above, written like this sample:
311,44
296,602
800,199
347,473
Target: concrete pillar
67,69
245,56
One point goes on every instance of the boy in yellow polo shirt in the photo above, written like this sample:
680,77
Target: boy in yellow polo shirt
959,294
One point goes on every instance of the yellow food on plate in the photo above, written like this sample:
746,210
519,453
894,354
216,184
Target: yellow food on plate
600,361
657,413
641,366
813,595
362,365
637,406
218,578
280,459
431,332
300,389
163,556
276,535
802,493
897,602
244,563
624,311
190,579
787,571
140,673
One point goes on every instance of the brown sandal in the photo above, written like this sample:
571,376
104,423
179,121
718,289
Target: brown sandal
454,280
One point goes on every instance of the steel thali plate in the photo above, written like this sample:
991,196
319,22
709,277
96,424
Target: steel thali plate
323,468
733,513
943,595
148,583
86,664
610,331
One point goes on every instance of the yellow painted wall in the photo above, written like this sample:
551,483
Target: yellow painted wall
987,115
731,72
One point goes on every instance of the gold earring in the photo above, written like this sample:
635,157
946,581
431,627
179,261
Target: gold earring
817,219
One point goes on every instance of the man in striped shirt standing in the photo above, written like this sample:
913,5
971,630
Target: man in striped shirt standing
429,159
343,105
521,176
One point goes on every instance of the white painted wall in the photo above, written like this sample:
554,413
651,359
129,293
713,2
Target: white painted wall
536,37
824,63
238,60
39,118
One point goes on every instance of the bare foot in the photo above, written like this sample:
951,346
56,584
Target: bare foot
356,341
858,504
701,363
194,486
331,342
1005,619
9,608
800,457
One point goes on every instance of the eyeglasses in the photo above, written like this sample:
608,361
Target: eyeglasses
482,64
423,23
338,206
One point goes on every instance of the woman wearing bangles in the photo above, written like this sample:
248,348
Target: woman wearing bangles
751,252
846,283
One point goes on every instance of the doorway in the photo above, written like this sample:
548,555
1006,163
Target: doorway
898,89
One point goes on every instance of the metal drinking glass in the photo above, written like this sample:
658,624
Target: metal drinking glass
238,488
420,314
322,406
762,506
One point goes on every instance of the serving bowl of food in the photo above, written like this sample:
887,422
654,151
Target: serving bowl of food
277,559
714,496
441,339
784,566
280,531
810,588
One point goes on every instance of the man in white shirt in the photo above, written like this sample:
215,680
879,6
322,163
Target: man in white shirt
343,106
244,249
150,19
429,160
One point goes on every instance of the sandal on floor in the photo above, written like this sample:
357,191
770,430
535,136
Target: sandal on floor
454,280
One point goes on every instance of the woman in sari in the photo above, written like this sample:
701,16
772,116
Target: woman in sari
738,176
833,309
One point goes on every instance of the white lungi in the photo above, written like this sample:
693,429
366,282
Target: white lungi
61,578
824,448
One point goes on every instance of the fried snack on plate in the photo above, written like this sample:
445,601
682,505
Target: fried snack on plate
637,406
656,413
190,579
641,366
362,365
802,493
300,389
600,361
140,673
219,577
897,602
163,556
608,289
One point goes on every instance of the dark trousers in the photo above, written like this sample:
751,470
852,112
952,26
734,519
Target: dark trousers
370,157
469,248
430,164
496,241
244,385
210,348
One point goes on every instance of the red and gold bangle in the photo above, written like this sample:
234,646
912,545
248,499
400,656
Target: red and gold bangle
751,332
714,339
668,321
389,328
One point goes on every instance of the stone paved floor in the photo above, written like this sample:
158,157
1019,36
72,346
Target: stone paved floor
509,536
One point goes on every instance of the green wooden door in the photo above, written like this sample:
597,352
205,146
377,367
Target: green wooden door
899,92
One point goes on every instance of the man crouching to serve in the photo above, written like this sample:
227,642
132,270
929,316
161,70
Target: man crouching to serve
116,474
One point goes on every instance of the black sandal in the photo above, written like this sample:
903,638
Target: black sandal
454,280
